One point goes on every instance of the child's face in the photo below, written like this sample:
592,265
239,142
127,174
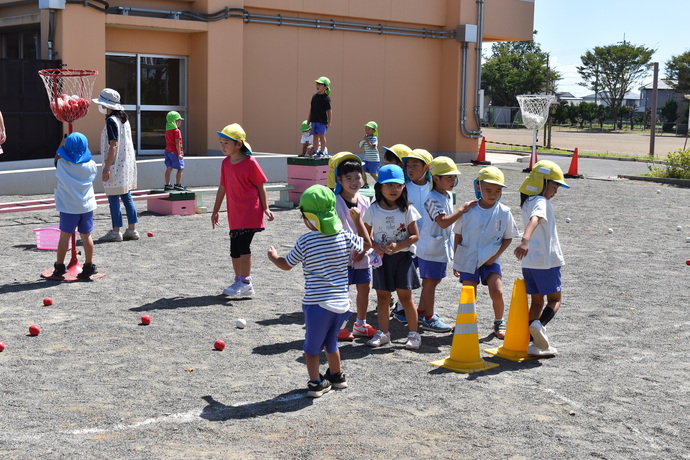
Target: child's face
392,159
392,191
351,182
445,183
308,223
178,122
368,131
229,147
416,170
491,193
320,88
551,189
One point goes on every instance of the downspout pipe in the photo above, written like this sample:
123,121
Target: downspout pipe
472,133
478,57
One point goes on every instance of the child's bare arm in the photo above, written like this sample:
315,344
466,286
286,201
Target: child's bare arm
504,245
263,198
279,262
356,217
178,147
457,239
522,248
220,196
445,221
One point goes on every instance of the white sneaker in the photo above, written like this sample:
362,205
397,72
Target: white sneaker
130,235
533,350
380,338
414,341
112,235
239,289
538,331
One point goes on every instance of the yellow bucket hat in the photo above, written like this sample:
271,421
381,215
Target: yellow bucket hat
542,171
490,175
399,150
333,164
236,133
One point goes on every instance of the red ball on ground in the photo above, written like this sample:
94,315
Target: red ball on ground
219,345
47,301
2,346
146,320
149,234
687,262
34,330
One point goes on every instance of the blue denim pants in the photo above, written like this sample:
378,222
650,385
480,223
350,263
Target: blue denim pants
116,212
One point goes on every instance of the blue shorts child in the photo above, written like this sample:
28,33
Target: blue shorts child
173,161
542,281
358,275
371,167
322,328
318,128
431,270
481,274
82,222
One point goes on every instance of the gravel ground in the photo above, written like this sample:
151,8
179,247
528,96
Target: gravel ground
97,384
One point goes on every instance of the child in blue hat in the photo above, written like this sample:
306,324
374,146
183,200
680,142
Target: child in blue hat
75,200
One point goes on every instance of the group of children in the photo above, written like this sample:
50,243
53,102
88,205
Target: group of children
398,243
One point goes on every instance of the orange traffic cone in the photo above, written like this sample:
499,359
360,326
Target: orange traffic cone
481,156
572,172
464,352
533,159
517,330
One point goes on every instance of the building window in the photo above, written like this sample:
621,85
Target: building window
150,86
21,44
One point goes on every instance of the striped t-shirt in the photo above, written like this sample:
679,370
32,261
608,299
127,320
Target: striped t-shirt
324,261
371,154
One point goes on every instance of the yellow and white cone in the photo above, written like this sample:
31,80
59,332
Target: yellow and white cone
464,352
517,330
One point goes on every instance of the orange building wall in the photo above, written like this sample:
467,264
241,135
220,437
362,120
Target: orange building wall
262,76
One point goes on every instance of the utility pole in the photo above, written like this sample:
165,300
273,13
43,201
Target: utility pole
652,128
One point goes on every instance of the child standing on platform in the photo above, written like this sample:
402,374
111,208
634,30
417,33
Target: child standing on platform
347,171
320,115
242,182
370,143
324,253
174,154
392,224
434,248
540,251
75,200
481,236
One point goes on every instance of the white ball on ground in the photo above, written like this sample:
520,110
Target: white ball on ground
567,220
679,228
610,230
240,323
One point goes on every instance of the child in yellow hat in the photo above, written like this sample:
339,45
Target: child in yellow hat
540,251
481,236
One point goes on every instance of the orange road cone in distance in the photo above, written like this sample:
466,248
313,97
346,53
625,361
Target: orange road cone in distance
481,156
572,171
464,352
517,330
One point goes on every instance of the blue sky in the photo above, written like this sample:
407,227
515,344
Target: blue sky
567,29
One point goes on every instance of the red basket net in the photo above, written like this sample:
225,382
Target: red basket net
69,92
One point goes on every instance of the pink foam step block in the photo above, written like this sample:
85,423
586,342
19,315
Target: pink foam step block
167,207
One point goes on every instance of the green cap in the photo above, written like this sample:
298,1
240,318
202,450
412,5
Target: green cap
318,205
373,125
305,126
326,82
171,118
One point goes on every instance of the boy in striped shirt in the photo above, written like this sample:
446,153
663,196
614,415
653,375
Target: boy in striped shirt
324,253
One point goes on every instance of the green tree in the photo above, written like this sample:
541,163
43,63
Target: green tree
613,70
516,68
669,115
587,112
678,72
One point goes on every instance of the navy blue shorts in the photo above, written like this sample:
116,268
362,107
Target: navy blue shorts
318,128
371,167
322,329
173,161
82,222
431,270
396,272
481,274
358,275
542,281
